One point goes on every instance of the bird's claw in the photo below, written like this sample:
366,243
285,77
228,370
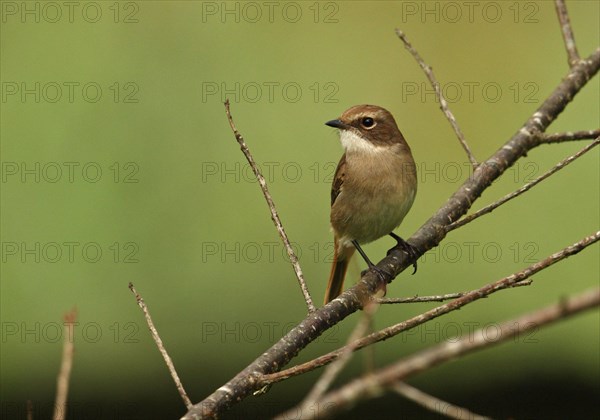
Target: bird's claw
410,250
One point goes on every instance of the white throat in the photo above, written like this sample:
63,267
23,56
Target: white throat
354,143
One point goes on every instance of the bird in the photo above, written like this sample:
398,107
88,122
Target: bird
374,187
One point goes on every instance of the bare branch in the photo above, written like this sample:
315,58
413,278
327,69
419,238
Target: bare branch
274,216
567,32
334,369
526,187
570,136
438,93
64,375
421,299
363,387
433,403
29,410
417,320
161,347
437,298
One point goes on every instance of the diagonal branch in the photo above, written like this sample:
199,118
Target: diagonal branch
161,347
438,93
274,215
334,369
567,32
483,292
437,298
570,136
367,386
428,236
434,404
526,187
526,139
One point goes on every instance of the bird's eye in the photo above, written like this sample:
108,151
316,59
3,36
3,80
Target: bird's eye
367,122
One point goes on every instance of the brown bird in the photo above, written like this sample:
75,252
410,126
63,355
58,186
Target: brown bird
373,189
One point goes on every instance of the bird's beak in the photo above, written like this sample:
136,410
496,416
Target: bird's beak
337,124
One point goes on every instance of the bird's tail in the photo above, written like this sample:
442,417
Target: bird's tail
341,258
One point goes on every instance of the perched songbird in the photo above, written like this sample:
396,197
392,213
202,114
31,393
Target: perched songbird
374,186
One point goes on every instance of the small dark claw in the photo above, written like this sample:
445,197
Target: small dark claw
410,250
383,275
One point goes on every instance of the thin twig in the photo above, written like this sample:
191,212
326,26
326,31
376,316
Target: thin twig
570,136
274,216
365,386
417,320
433,403
567,32
29,410
489,208
333,370
64,375
436,298
161,347
438,93
369,361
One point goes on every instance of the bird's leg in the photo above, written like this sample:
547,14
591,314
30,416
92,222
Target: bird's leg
382,274
410,250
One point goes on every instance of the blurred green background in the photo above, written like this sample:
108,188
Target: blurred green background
118,165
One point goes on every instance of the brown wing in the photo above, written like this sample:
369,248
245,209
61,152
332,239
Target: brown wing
338,179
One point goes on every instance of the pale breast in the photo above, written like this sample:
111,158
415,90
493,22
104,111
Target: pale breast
376,195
